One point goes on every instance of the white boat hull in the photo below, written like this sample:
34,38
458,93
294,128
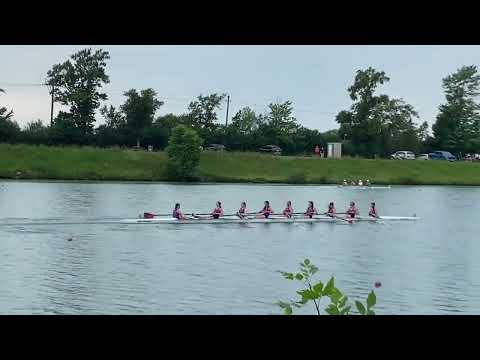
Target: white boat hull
358,187
272,220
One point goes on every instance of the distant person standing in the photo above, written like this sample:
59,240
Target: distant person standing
317,150
322,153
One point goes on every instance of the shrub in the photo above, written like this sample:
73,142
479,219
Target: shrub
183,152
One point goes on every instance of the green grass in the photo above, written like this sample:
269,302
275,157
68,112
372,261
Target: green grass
86,163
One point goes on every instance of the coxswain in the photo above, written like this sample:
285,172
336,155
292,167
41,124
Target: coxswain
177,213
331,210
352,211
242,212
310,210
373,210
218,211
288,211
266,211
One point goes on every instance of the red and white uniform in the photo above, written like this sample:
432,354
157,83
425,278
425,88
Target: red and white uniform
217,212
288,211
266,211
373,212
177,214
331,211
310,211
352,211
242,212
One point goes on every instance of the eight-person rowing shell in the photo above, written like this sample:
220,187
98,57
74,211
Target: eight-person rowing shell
266,211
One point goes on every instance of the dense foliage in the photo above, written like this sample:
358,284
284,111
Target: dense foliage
183,152
375,125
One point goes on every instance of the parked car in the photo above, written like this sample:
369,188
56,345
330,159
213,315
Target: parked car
273,149
442,155
215,147
423,157
403,155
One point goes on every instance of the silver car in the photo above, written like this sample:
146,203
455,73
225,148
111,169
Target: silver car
403,155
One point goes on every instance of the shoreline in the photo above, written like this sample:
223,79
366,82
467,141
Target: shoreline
95,165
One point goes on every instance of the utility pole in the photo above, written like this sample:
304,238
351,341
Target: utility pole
53,99
228,105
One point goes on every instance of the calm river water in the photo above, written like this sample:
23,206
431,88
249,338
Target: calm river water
430,266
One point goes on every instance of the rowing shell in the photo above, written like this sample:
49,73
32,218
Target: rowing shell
265,221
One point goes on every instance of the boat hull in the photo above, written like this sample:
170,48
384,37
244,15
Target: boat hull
266,221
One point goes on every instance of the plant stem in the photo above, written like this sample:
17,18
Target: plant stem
314,301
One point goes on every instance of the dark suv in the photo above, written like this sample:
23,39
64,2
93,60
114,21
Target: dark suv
442,155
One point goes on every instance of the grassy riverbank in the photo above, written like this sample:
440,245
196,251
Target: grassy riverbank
84,163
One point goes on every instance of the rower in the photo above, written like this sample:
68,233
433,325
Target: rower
331,210
345,183
353,183
352,211
288,211
218,211
373,210
266,211
360,182
310,210
242,212
367,182
177,214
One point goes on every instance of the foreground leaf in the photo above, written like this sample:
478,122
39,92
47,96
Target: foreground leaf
360,307
371,300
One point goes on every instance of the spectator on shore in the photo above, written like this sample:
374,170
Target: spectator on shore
317,150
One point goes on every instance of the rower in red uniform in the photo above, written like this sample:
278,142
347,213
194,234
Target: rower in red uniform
331,210
373,210
242,212
218,211
288,212
352,211
310,210
177,214
266,211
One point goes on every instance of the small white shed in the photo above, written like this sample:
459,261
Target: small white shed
334,150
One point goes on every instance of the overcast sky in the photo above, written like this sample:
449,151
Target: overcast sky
314,78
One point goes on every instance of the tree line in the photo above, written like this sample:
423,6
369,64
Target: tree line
374,125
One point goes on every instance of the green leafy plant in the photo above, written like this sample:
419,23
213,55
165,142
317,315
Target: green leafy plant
317,291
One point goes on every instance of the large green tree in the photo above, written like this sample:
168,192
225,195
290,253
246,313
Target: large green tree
77,83
139,110
457,126
376,124
203,111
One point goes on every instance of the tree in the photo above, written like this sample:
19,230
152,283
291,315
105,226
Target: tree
77,84
203,111
9,129
281,119
35,133
113,119
183,152
245,121
139,110
458,121
376,124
